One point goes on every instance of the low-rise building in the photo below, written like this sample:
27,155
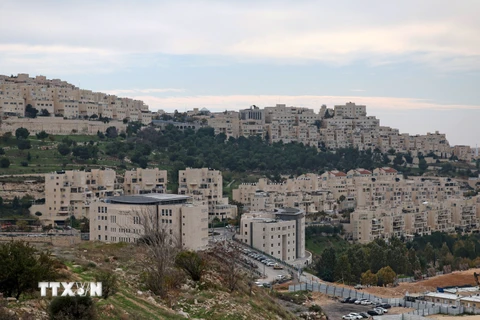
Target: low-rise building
126,218
280,234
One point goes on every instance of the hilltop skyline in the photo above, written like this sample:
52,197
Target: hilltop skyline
415,65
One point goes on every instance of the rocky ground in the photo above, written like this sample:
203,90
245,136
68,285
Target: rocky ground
208,299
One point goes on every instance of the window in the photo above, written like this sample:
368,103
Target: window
99,228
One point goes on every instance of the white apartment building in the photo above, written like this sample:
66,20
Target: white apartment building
70,193
142,181
206,186
280,234
125,219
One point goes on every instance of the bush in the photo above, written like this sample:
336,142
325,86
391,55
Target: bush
315,308
24,164
109,283
4,163
77,307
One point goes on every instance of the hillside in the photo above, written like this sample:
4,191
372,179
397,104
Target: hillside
208,299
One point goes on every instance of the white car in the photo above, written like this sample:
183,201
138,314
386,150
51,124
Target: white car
378,310
366,302
270,264
383,309
352,316
359,301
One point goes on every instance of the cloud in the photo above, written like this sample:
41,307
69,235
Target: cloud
142,91
114,32
357,90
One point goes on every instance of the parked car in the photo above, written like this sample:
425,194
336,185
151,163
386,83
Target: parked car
383,309
379,310
385,306
352,316
366,302
364,315
358,287
352,300
346,300
359,301
373,313
270,264
277,267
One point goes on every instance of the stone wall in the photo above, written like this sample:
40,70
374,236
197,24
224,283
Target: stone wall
57,241
56,125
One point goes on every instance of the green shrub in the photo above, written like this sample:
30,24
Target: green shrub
70,308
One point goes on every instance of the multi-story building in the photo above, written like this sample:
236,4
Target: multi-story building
64,100
128,218
70,193
206,185
142,181
280,234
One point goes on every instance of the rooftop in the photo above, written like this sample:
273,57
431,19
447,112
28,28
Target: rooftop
151,198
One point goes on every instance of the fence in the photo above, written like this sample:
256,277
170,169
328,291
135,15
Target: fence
342,292
404,316
423,308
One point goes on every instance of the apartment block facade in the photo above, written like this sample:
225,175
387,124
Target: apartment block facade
280,234
343,126
57,98
143,181
70,193
127,218
205,185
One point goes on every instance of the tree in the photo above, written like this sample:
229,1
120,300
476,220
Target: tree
23,267
386,276
192,263
343,270
44,113
6,137
22,225
111,132
72,308
29,156
23,144
369,278
422,165
30,112
429,254
22,133
125,120
160,248
4,163
42,135
109,282
326,265
63,149
2,152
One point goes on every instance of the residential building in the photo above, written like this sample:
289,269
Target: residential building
126,218
280,234
142,181
206,185
70,193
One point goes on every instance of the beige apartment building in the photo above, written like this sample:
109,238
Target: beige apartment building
280,234
350,126
70,193
64,100
143,181
206,186
125,219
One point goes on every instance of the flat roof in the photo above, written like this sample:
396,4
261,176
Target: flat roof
442,295
151,198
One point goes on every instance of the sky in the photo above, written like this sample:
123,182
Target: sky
415,64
